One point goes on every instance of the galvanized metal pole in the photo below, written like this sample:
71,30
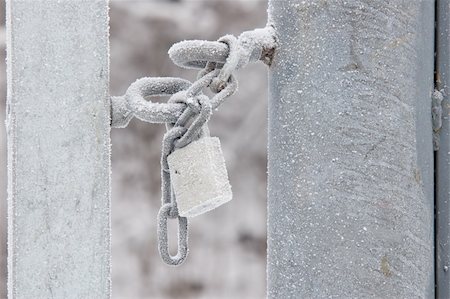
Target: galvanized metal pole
442,156
350,208
58,126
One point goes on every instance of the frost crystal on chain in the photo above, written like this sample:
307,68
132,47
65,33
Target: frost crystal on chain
193,173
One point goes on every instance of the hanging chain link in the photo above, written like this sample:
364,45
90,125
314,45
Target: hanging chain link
189,109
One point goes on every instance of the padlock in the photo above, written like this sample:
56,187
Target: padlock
199,177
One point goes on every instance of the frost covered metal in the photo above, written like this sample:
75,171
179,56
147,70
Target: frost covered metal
350,204
442,156
219,59
203,183
199,177
436,116
58,126
350,210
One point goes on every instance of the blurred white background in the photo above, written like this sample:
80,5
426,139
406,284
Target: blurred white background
228,245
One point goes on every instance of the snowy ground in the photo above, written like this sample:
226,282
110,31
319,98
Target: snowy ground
227,246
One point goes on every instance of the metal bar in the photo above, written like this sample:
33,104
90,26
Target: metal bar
442,156
350,207
58,127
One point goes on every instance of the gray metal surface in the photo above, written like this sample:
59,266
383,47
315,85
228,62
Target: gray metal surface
443,155
350,208
58,149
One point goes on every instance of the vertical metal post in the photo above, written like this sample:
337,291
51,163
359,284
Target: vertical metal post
443,154
58,127
350,208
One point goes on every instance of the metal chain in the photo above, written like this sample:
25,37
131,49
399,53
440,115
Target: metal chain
188,109
198,111
223,56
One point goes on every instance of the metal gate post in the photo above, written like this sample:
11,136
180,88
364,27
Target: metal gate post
443,154
58,127
350,208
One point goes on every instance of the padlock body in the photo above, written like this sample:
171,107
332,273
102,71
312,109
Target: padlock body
199,177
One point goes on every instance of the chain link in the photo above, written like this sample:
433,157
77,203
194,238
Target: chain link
188,109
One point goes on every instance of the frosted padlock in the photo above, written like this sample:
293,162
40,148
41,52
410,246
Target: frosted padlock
199,177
